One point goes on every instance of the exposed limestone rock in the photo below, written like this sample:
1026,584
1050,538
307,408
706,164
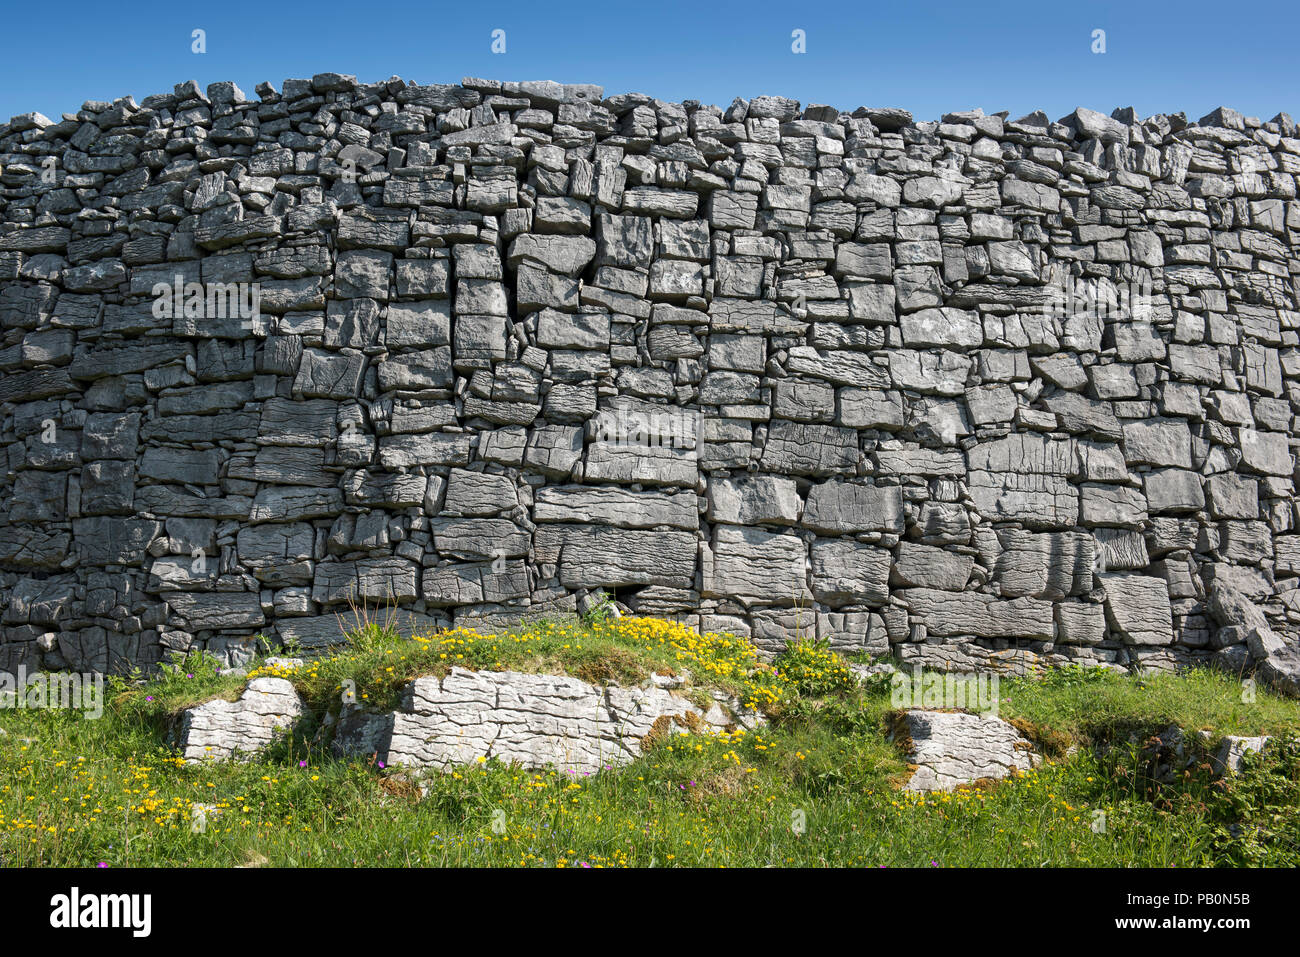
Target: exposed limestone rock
1137,608
1025,478
950,749
1233,749
534,720
754,565
222,730
1173,751
1049,565
1274,657
972,613
1277,660
930,567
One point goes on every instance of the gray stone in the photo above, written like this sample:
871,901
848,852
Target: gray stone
846,507
1137,608
754,565
947,613
536,721
755,500
926,566
1048,565
479,493
616,506
951,749
1157,442
1173,490
1024,478
597,339
597,556
238,730
845,572
1232,751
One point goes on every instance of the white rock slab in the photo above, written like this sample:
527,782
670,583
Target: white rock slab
535,720
953,748
225,730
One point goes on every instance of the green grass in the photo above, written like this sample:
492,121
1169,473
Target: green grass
1090,705
818,786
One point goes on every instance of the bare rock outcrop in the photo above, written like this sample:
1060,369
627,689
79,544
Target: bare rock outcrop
534,720
952,748
221,729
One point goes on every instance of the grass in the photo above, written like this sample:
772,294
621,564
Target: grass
626,650
817,786
1091,705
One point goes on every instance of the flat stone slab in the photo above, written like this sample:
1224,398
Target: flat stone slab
534,720
238,730
952,748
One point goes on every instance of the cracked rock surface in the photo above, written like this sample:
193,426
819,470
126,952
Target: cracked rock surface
535,720
977,390
222,729
950,749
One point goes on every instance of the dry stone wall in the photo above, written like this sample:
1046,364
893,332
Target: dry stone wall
981,392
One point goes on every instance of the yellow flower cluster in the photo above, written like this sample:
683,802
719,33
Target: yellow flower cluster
277,670
724,660
811,667
709,657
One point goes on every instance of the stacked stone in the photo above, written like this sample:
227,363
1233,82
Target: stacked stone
769,369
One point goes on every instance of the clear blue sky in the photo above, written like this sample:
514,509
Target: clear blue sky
930,58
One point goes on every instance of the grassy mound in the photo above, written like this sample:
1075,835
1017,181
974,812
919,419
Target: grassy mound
817,786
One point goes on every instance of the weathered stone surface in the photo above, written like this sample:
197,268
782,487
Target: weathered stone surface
1158,442
1024,478
606,557
380,339
845,572
1105,506
1120,549
1232,750
113,541
224,730
474,583
1173,490
800,448
1265,452
1048,565
287,503
951,749
972,613
755,500
1080,623
651,464
536,721
845,507
368,579
213,610
1276,659
754,565
927,566
616,506
479,493
1137,608
320,631
1230,608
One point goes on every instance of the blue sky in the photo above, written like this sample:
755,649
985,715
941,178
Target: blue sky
930,58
